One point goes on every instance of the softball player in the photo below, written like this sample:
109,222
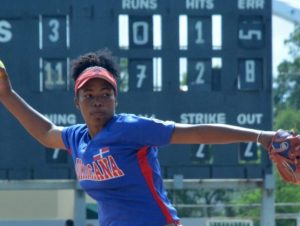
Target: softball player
115,155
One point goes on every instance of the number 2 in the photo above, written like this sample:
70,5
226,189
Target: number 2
248,152
200,151
200,68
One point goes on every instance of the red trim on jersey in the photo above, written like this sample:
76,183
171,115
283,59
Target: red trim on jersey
147,173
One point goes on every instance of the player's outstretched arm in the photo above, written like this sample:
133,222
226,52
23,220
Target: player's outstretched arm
218,134
35,123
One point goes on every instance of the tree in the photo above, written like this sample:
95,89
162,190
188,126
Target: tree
287,83
287,86
288,118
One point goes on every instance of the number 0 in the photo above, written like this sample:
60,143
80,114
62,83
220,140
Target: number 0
140,32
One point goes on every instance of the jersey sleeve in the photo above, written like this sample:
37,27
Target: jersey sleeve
66,133
71,135
147,131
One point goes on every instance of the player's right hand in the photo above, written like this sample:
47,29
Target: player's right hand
5,86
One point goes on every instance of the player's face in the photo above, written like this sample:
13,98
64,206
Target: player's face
96,101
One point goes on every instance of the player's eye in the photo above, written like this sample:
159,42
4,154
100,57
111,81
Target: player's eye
107,94
88,96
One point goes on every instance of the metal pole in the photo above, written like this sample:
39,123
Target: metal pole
268,201
79,207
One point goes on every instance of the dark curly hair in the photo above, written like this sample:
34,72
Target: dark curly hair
102,58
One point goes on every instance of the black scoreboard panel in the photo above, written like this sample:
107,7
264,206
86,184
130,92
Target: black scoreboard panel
191,61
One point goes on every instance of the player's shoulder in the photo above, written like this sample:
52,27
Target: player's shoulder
129,118
76,129
133,119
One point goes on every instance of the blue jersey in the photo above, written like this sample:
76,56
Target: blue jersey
120,170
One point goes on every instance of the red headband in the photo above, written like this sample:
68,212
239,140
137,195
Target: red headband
95,72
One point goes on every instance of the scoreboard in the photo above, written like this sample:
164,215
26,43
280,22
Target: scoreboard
190,61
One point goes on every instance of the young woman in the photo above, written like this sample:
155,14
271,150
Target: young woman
115,155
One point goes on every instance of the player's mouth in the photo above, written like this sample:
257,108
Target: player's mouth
98,113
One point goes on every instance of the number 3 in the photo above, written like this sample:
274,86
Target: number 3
54,26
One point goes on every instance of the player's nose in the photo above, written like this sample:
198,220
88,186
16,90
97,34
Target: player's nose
98,101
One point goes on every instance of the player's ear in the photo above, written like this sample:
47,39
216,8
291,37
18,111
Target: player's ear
76,102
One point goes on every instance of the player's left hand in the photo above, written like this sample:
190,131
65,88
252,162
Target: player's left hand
284,151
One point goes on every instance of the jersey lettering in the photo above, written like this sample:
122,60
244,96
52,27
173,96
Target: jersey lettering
104,167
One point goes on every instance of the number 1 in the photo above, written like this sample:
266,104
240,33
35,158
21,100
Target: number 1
199,29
